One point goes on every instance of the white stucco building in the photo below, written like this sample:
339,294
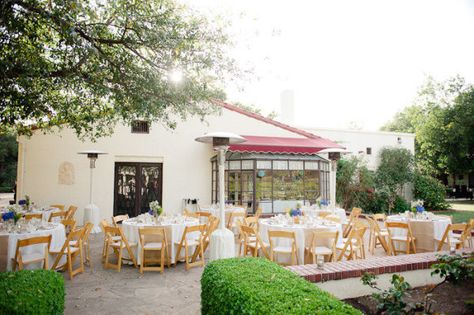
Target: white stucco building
276,167
367,144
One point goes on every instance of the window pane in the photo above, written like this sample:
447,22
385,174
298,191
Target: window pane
264,164
296,165
247,165
280,165
247,181
234,165
311,165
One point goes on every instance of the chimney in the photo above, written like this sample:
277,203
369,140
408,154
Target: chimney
287,100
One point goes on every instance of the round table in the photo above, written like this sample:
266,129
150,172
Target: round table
427,232
174,233
8,242
314,212
302,231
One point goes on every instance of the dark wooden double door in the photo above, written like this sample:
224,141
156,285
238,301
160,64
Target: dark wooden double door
136,185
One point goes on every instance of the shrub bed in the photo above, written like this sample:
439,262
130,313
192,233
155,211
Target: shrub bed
31,292
259,286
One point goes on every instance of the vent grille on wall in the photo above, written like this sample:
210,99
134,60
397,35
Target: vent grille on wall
140,126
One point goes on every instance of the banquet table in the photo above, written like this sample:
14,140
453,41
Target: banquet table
174,232
8,242
303,233
427,231
314,212
45,212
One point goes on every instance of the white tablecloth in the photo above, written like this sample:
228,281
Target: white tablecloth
92,215
8,242
302,232
313,212
174,233
428,233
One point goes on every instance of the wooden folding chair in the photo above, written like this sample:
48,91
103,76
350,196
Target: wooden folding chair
30,216
377,236
258,213
380,217
71,248
187,242
235,217
69,225
353,246
58,214
71,212
190,214
323,243
408,239
153,239
22,260
252,222
252,242
353,217
211,226
275,249
333,218
86,243
117,246
58,206
450,240
118,219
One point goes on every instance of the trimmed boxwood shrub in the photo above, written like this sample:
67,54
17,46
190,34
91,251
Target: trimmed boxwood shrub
31,292
259,286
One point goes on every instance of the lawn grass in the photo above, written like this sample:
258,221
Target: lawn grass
458,216
462,205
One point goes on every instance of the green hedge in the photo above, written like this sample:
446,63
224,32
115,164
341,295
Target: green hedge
31,292
259,286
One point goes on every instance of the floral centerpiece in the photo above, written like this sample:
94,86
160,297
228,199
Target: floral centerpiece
417,206
155,209
11,214
297,211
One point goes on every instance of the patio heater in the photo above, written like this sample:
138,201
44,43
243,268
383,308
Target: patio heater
222,240
334,154
91,211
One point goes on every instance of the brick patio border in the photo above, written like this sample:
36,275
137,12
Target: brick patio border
378,265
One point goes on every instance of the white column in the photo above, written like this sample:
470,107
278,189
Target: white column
221,243
221,158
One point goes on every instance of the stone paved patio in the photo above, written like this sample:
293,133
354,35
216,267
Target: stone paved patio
100,291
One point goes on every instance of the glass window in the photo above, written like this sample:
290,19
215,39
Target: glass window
247,164
296,165
280,165
264,165
311,165
234,165
274,185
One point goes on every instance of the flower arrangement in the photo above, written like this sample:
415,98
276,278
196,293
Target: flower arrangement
155,209
11,214
417,206
324,202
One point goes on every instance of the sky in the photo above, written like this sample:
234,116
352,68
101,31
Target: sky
351,63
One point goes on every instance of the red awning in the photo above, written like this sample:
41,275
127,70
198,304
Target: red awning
262,144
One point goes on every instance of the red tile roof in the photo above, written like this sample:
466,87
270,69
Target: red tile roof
270,121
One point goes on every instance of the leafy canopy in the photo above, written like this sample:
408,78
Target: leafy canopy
89,63
442,117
